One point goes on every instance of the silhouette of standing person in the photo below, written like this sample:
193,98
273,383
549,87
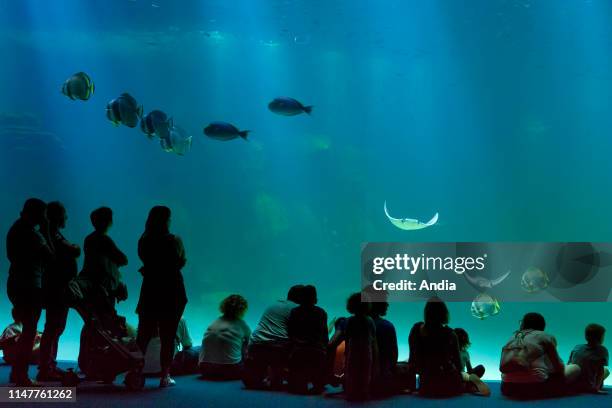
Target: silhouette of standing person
101,266
162,295
55,280
28,249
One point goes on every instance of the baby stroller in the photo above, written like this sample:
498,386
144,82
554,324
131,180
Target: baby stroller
106,348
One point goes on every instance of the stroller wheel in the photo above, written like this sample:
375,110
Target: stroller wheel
70,379
134,381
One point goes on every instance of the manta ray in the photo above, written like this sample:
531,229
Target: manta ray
408,224
483,282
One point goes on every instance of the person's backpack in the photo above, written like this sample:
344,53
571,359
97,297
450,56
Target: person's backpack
516,354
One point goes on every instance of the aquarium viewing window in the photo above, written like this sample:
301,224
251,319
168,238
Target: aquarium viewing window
254,203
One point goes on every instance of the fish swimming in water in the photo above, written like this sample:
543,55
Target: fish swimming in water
124,110
484,283
156,123
484,305
79,86
177,141
288,106
534,280
224,131
409,224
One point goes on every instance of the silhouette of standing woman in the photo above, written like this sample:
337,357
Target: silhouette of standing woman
162,295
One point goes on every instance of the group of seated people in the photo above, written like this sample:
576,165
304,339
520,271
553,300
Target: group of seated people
291,344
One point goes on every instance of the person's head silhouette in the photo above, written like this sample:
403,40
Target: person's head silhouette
295,294
533,321
57,215
436,313
158,221
355,306
233,307
101,219
309,296
34,211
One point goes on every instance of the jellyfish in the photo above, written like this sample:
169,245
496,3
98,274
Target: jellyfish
534,280
484,305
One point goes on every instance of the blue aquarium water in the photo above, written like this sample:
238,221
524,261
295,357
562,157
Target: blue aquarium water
494,113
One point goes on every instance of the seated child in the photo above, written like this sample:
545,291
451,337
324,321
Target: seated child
464,345
592,359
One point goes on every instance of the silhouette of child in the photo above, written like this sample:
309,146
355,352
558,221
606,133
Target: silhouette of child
464,345
592,358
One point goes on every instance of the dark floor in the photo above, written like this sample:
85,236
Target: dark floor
193,392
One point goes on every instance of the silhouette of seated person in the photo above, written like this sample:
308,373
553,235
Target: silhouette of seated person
9,338
225,341
466,361
530,364
592,358
385,382
269,345
434,352
307,329
185,355
361,350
